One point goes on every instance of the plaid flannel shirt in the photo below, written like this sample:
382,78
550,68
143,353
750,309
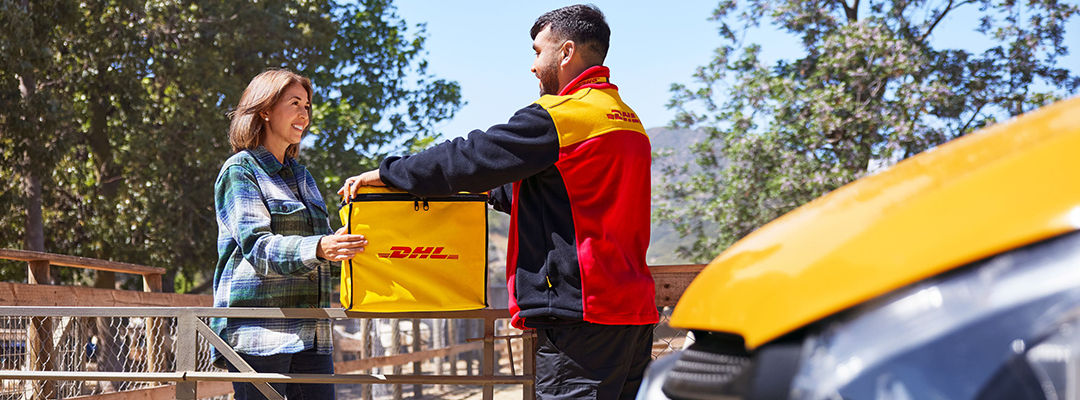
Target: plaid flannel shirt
267,238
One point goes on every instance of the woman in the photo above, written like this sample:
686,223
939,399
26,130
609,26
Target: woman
274,240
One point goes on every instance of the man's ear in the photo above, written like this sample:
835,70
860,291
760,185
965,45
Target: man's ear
567,51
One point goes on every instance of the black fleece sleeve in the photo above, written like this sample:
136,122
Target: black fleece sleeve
509,152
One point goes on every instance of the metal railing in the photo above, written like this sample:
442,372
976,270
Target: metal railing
190,358
125,363
78,351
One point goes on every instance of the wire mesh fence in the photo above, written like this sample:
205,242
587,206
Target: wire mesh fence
87,344
147,344
510,353
667,339
360,339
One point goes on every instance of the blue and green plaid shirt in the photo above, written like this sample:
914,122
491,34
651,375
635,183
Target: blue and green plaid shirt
270,218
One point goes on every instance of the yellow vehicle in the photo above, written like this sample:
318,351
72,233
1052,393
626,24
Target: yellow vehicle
955,274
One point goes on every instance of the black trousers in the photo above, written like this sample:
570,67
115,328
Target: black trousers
592,361
304,362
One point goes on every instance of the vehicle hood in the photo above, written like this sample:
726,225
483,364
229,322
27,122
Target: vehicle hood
999,188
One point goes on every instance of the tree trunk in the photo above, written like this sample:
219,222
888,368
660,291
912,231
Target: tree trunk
105,280
108,174
34,233
168,283
34,236
39,334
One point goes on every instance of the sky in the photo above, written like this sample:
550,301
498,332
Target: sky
485,46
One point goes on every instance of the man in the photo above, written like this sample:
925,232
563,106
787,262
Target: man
572,170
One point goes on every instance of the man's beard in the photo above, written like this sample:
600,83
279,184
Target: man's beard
549,79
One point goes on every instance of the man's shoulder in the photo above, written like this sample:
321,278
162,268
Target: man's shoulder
589,104
551,101
589,113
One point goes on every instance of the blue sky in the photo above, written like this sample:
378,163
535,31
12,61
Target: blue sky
484,45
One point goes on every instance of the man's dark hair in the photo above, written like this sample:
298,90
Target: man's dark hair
582,23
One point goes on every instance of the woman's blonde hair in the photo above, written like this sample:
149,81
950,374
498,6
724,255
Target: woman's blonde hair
247,129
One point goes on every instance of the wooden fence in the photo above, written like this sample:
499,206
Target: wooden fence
671,281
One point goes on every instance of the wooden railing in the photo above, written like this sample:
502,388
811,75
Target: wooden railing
40,333
151,275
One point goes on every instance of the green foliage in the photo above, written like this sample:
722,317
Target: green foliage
382,101
128,125
869,90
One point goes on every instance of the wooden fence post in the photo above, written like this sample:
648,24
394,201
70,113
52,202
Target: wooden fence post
155,338
438,341
186,335
41,354
450,332
528,363
470,329
366,350
488,357
418,389
395,348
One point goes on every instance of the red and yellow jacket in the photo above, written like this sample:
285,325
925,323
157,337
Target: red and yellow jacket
573,172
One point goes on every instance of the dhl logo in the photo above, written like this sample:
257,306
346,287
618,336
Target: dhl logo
593,81
623,116
418,252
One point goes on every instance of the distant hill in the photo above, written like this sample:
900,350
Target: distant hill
671,147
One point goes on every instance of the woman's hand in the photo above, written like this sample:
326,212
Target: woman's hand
353,184
340,246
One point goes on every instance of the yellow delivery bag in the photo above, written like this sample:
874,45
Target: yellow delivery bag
423,254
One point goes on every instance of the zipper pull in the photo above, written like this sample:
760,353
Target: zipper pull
425,205
548,279
416,205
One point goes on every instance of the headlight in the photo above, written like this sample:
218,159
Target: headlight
969,334
1003,328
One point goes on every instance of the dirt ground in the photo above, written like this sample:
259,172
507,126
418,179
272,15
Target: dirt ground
502,392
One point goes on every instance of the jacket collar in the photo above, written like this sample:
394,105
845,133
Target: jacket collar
267,161
596,77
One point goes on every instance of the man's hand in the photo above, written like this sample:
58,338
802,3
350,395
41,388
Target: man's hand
340,246
353,184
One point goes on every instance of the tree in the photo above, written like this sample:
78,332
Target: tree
381,101
870,90
33,103
145,88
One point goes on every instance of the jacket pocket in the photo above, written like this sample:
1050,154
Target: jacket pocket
287,217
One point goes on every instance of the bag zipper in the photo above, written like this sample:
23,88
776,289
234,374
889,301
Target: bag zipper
352,274
407,197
